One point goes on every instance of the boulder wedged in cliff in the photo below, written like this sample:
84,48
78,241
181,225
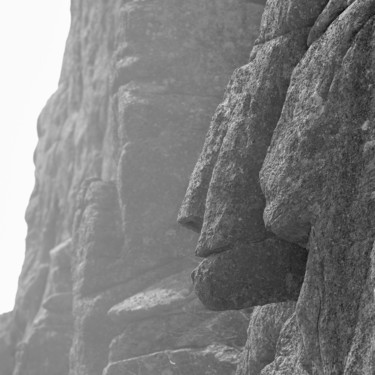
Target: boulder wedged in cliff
250,275
161,297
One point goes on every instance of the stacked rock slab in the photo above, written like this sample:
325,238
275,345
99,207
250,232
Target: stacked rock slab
105,287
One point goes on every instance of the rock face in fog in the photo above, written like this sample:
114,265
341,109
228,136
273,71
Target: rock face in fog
106,286
281,195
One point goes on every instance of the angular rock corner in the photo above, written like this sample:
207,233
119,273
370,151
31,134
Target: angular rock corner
274,173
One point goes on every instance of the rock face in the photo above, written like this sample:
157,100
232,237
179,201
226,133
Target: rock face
224,197
329,191
281,195
263,333
293,155
6,344
106,287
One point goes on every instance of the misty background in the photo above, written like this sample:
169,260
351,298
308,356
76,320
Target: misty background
32,39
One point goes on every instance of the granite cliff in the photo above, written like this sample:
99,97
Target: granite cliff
272,172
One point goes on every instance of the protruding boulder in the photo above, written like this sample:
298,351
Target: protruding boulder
224,201
249,275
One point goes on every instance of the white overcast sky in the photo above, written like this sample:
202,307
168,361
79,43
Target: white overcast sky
32,41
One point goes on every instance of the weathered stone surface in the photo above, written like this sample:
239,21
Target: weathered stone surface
97,244
256,274
224,199
328,15
316,178
6,347
191,326
160,298
318,175
284,16
46,343
214,360
290,357
263,334
224,193
58,294
117,142
158,117
97,239
45,349
291,144
299,161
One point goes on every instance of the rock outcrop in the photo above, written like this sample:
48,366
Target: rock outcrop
106,287
326,198
280,202
292,154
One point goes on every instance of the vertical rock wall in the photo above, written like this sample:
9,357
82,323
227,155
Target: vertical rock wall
281,196
290,154
105,287
332,197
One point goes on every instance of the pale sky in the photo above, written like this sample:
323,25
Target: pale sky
32,41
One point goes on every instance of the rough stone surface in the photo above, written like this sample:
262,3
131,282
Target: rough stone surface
224,193
162,297
105,287
6,347
211,361
259,273
46,343
189,327
318,175
263,335
314,161
106,271
224,198
290,355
